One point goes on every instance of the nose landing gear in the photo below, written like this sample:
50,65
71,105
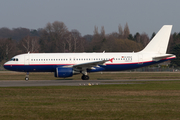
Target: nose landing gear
27,76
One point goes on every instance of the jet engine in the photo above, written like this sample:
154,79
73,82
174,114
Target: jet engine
63,72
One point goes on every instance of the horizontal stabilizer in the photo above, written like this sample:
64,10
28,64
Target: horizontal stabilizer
162,57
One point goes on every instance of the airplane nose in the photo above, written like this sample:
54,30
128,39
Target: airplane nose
6,66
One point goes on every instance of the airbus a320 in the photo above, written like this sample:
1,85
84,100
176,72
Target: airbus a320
68,64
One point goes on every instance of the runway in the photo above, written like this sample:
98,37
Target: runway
23,83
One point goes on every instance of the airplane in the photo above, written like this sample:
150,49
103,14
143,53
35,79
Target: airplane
68,64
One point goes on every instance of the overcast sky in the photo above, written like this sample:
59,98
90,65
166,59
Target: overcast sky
141,15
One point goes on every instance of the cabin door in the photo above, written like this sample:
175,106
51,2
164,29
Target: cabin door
140,58
26,59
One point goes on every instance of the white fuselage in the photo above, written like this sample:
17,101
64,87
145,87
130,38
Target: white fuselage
49,61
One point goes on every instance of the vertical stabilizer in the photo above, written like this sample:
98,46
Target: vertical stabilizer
160,41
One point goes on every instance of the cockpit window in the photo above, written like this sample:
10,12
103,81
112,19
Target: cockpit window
14,59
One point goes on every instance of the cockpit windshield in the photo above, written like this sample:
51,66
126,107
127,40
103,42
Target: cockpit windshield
14,59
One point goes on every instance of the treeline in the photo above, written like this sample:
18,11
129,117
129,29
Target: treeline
55,37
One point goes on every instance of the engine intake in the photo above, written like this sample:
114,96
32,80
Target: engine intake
63,72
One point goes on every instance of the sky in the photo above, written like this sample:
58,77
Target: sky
141,15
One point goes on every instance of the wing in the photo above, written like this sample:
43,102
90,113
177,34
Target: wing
89,65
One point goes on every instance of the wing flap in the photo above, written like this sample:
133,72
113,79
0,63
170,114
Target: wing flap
90,65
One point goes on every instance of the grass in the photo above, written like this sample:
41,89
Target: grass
152,100
93,76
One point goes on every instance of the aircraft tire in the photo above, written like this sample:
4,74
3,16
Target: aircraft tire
85,77
26,78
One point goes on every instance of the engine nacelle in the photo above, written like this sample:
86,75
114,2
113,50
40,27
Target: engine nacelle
63,72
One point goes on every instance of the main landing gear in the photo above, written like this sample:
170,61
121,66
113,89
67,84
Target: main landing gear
84,76
27,76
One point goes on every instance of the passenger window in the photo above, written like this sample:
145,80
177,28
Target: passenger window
16,59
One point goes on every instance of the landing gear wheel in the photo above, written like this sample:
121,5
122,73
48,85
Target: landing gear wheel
85,77
26,78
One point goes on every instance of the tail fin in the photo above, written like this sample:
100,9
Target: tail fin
160,41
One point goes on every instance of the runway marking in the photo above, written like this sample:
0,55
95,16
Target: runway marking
23,83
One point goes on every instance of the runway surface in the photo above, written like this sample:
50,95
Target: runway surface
21,83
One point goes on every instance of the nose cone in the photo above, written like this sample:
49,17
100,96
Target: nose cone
6,66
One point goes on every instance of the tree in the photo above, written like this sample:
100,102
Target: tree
5,33
102,32
120,31
53,35
96,30
176,51
68,38
144,39
130,37
137,37
96,41
126,31
153,35
30,44
7,48
76,36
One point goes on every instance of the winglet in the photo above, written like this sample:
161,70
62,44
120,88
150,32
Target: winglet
111,59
